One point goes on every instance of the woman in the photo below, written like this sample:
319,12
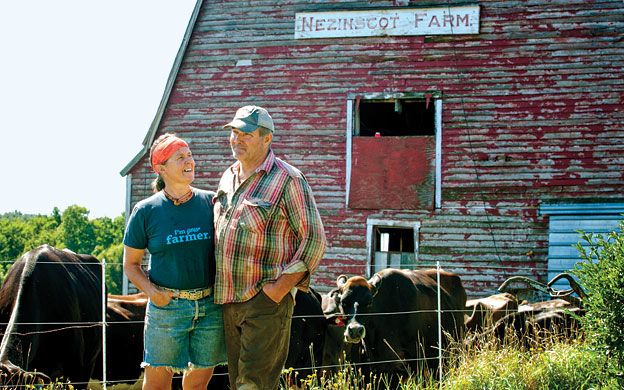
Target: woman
183,326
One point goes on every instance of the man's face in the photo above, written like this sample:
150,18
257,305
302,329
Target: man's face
249,148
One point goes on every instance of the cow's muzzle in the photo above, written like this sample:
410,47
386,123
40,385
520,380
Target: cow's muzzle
354,332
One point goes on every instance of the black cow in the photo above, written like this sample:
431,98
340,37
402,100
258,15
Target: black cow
124,338
51,303
394,316
307,334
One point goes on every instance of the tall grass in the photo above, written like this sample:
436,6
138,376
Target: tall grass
485,363
558,365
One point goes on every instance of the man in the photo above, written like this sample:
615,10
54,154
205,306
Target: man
270,240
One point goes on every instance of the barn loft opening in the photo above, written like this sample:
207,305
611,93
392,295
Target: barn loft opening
392,156
396,118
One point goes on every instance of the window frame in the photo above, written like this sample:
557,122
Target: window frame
389,223
436,98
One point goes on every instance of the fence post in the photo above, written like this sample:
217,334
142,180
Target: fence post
104,324
439,323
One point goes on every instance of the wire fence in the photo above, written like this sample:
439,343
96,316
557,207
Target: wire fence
104,324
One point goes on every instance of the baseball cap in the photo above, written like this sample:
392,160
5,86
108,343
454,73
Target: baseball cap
249,118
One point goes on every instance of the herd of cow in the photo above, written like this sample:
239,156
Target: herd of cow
51,318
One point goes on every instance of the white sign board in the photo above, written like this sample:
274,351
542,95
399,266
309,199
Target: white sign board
388,22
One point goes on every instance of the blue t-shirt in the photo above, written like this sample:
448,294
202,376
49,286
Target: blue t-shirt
179,238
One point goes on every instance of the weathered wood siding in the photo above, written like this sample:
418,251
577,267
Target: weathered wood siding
532,112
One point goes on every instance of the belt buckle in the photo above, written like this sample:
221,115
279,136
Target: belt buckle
191,295
195,295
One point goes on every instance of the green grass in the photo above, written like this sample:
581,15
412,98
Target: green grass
486,365
561,366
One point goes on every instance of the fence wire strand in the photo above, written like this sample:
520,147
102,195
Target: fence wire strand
105,324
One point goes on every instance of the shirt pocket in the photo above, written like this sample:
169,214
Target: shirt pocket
220,205
254,214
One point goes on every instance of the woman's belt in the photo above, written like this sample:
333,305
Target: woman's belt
191,295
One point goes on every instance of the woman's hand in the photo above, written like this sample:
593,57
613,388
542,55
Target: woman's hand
160,298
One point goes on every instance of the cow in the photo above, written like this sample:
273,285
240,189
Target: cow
501,318
483,313
125,316
51,303
307,334
553,318
394,317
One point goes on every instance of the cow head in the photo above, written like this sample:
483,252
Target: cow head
352,297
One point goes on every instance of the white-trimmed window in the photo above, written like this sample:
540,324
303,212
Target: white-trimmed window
391,244
394,151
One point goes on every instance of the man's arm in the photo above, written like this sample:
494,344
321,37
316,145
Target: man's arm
305,221
277,290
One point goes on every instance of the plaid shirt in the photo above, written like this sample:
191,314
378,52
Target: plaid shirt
266,227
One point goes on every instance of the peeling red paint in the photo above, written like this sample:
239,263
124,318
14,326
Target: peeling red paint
532,113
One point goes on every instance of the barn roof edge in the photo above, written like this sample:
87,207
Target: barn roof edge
149,137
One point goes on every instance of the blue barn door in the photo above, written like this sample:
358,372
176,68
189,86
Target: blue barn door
565,222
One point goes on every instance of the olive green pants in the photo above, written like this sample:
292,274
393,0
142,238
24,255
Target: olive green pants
257,334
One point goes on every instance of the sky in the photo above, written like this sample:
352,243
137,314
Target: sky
80,83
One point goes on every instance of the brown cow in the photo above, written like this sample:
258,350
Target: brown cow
499,317
485,312
394,316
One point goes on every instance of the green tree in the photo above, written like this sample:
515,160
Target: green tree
56,215
72,229
114,270
109,236
76,232
602,274
39,230
20,233
11,238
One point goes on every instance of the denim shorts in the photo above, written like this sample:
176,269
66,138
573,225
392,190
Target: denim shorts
184,334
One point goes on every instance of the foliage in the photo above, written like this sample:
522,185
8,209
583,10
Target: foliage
76,231
602,273
114,259
71,229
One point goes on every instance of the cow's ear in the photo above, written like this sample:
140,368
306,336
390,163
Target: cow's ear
375,283
342,279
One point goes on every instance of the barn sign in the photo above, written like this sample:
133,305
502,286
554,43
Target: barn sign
388,22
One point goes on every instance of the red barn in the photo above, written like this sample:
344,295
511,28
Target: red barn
481,135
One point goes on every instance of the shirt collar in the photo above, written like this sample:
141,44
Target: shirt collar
268,162
266,165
